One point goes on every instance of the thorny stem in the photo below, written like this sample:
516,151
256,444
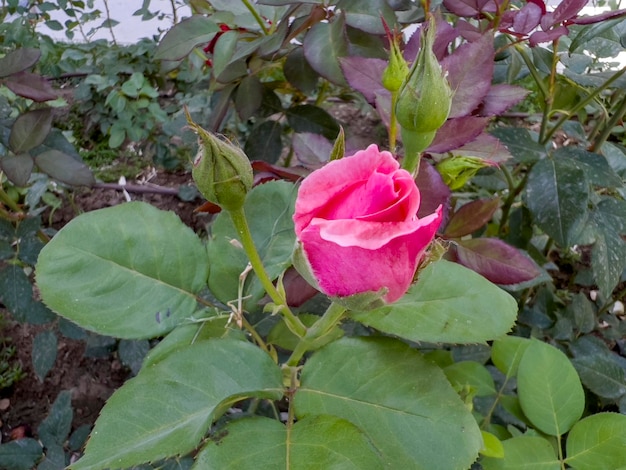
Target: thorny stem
256,15
514,191
106,7
174,13
610,124
241,225
549,99
582,104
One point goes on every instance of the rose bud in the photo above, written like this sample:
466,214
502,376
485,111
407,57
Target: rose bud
397,69
357,227
222,171
425,97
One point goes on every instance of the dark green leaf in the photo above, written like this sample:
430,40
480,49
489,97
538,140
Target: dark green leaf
54,458
30,130
449,304
65,168
18,61
185,36
367,16
310,118
557,195
323,45
264,142
299,73
520,143
17,168
248,97
167,409
131,271
601,370
396,397
324,441
595,166
132,353
16,291
55,429
21,454
44,353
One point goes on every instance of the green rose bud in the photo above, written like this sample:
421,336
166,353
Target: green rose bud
397,70
221,170
425,97
456,171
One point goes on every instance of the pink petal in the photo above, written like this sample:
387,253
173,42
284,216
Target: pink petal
344,271
336,177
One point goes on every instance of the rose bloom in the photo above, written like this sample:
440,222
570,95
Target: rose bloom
356,221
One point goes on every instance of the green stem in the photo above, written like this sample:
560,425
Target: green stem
256,15
533,71
393,123
549,99
320,328
10,203
514,191
241,225
582,104
611,123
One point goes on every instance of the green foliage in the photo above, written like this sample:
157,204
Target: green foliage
534,273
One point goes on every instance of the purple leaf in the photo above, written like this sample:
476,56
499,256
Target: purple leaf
567,9
468,31
470,8
298,290
312,150
540,36
470,71
456,132
446,33
495,260
607,15
471,217
500,98
487,147
31,86
433,190
364,75
527,19
383,107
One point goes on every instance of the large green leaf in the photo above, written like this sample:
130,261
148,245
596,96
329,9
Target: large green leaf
448,304
21,454
323,45
269,210
525,453
324,442
557,195
168,408
400,400
598,441
184,36
131,271
549,389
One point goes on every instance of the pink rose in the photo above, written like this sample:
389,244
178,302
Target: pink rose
356,220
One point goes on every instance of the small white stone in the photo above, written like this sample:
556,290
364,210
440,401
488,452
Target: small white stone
618,308
593,295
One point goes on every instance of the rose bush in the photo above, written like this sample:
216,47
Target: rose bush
356,222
